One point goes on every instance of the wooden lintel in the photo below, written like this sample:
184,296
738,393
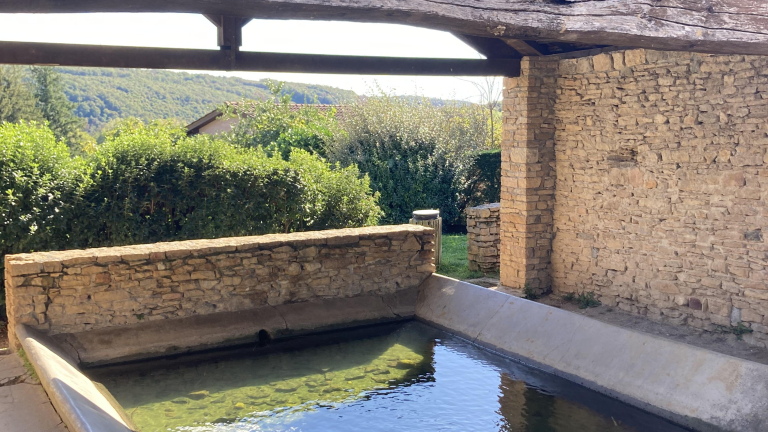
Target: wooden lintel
33,53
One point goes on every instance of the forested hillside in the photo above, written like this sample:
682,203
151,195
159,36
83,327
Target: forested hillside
102,95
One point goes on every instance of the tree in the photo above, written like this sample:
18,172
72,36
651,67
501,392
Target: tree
277,127
17,101
56,108
490,94
416,154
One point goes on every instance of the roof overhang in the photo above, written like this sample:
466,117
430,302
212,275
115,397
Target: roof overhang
716,26
502,31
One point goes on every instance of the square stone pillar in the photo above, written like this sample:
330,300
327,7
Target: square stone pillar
528,175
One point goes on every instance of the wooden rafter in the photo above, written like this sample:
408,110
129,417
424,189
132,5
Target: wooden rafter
526,48
717,26
33,53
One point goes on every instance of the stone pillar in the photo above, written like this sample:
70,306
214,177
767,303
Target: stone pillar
483,238
528,175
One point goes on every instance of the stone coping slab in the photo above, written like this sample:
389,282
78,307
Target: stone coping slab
483,207
32,263
82,405
694,387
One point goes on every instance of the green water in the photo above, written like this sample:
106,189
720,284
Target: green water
397,377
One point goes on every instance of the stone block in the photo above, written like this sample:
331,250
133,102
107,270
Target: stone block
634,57
664,286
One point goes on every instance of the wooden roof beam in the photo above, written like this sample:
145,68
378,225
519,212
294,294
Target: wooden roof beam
715,26
33,53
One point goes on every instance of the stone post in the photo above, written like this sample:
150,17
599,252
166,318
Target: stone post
528,175
483,238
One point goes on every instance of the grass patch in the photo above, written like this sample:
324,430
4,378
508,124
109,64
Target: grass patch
739,330
530,293
584,300
27,365
454,261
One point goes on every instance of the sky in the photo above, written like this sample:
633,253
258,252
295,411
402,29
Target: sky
312,37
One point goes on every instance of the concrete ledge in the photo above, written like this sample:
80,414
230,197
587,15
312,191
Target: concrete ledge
82,405
697,388
200,332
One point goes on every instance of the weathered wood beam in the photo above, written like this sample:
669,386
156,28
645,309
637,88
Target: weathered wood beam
717,26
33,53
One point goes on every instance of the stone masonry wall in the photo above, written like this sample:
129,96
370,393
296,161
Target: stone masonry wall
528,175
75,291
483,237
662,186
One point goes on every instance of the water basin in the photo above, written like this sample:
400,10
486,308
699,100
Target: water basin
397,377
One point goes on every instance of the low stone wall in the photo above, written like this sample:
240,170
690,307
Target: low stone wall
84,290
483,237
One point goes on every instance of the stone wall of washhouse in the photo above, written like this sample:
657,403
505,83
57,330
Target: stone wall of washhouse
528,175
483,237
661,194
81,290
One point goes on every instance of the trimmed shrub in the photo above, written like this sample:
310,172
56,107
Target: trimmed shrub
38,187
484,178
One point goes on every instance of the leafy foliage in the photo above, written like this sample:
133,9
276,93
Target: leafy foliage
150,183
529,293
38,188
587,300
584,300
416,154
17,100
484,178
103,95
56,109
274,125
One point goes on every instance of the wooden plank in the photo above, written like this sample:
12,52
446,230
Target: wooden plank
492,48
32,53
717,26
525,48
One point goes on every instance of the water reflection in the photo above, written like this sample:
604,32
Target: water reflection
406,378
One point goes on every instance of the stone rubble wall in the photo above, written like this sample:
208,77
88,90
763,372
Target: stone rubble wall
662,186
483,237
81,290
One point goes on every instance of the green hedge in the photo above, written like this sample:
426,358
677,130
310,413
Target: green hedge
148,183
484,174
